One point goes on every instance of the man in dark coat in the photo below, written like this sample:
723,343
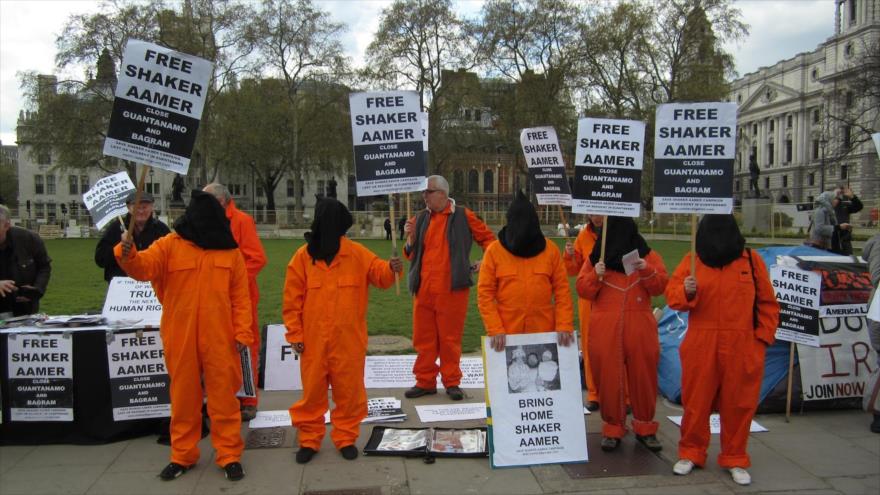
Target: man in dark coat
24,268
146,231
849,204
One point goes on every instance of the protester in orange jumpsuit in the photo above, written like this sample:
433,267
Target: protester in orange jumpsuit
523,287
574,257
732,318
439,244
325,311
624,345
200,278
244,231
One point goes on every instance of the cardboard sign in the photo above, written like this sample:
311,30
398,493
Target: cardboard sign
840,366
389,154
694,148
546,168
608,167
535,408
797,292
139,382
159,100
40,378
282,364
106,199
131,302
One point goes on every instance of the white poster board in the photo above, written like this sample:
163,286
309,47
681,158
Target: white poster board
451,412
40,377
608,167
159,100
840,366
797,292
131,302
106,199
282,371
139,383
535,413
543,156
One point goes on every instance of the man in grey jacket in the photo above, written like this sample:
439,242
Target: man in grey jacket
824,228
871,254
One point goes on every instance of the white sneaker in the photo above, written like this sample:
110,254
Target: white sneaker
740,476
683,467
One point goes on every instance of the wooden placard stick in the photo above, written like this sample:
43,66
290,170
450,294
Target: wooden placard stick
788,391
393,241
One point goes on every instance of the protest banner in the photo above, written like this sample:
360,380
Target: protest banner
797,292
40,371
840,366
608,167
535,409
106,199
694,149
389,154
130,302
546,167
159,100
139,382
282,370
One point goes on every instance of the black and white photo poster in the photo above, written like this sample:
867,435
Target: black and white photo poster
694,148
608,167
40,378
106,199
535,410
389,145
159,101
139,383
797,292
546,168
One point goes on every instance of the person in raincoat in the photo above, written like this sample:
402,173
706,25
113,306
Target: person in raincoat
732,319
324,310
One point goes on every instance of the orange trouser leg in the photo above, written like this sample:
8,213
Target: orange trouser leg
425,340
222,380
349,399
742,373
307,414
584,315
186,405
255,346
451,313
606,361
699,387
438,325
642,353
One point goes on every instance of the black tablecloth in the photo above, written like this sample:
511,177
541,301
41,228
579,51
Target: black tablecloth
92,411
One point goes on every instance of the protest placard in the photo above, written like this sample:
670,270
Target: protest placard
608,167
546,167
840,366
451,412
535,408
159,100
106,199
389,153
131,302
40,371
139,383
282,370
797,292
694,149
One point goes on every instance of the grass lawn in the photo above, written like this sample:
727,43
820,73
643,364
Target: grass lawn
77,285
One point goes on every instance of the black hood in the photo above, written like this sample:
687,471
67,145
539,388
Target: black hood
623,237
522,235
719,240
332,221
205,224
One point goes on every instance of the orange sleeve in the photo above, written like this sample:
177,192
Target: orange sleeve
479,230
768,306
561,293
574,263
587,283
241,302
379,272
487,294
293,300
147,265
250,245
675,296
654,277
408,253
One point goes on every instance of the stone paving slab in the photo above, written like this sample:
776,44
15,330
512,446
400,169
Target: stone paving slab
38,479
468,476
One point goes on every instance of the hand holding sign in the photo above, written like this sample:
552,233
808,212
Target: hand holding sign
127,243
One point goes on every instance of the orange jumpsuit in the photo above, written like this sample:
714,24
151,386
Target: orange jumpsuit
583,246
516,295
244,231
325,308
624,346
722,355
438,311
205,311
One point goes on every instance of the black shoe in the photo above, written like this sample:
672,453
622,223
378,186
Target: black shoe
650,442
350,452
455,393
305,454
234,471
608,444
592,406
875,425
173,471
418,392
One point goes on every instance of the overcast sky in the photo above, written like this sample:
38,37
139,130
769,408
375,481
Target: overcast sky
779,29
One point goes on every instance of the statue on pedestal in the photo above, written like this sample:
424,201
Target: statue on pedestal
754,173
177,187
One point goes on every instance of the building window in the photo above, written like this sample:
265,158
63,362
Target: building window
850,99
814,74
260,191
848,50
289,188
503,182
321,189
74,184
853,8
815,115
44,158
50,211
788,149
467,114
38,184
83,183
788,121
766,182
847,137
772,125
754,129
815,149
488,181
50,184
784,181
770,153
473,181
811,180
736,185
40,210
457,181
157,188
478,115
844,171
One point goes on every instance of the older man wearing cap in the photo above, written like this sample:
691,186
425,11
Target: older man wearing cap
147,230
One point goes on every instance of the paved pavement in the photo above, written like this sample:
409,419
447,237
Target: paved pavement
815,453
